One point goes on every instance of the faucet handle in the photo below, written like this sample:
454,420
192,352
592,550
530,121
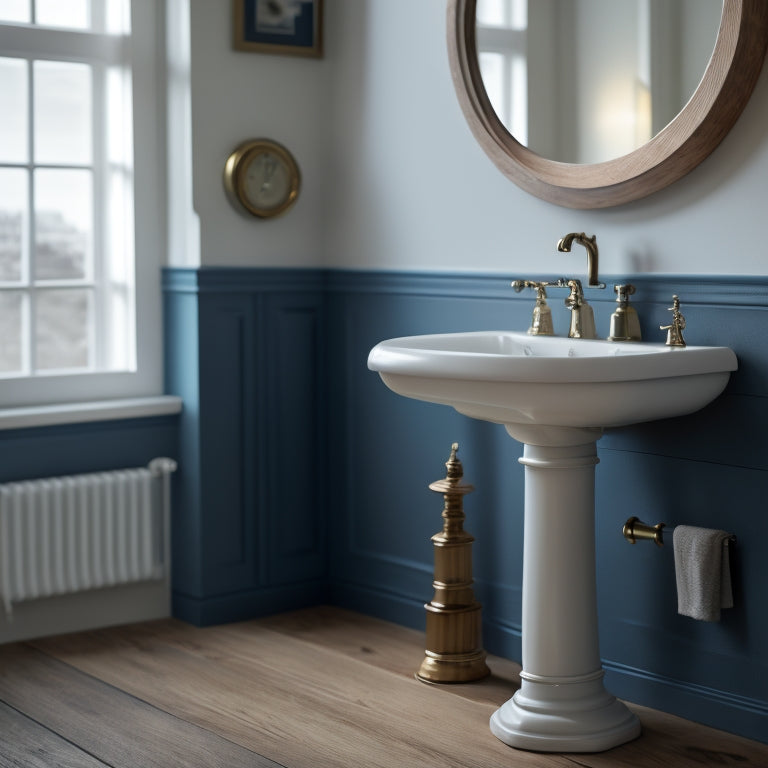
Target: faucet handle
540,285
541,322
675,328
576,296
623,292
519,285
537,285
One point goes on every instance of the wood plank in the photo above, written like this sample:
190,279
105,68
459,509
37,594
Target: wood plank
109,724
326,687
23,742
666,739
387,646
299,704
672,741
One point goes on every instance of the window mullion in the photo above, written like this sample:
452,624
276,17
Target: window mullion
61,44
28,253
100,331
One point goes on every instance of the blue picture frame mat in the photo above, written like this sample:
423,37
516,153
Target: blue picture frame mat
303,36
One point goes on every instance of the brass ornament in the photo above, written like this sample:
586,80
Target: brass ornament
454,652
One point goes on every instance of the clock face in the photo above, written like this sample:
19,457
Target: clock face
267,181
261,178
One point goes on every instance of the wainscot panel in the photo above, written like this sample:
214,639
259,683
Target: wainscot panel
244,351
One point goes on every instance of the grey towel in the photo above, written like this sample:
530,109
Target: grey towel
702,571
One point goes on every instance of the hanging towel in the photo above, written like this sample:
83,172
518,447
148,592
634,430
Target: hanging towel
702,571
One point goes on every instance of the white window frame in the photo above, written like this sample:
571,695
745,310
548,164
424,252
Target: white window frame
146,233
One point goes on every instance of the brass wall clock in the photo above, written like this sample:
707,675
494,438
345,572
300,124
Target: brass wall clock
262,178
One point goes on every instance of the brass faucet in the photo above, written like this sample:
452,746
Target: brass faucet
590,243
582,316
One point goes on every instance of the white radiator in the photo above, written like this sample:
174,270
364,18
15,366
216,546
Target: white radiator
68,534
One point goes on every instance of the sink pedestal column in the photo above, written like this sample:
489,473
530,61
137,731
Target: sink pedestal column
562,705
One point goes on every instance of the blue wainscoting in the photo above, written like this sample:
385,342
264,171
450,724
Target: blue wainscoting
306,478
99,446
244,349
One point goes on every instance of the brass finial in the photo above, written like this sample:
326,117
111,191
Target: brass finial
452,484
454,651
453,465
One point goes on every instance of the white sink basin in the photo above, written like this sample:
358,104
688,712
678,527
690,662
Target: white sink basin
513,378
556,395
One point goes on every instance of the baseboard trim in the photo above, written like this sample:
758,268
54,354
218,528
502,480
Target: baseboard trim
248,604
82,611
379,603
709,706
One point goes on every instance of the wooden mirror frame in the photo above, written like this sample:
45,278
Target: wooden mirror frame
702,124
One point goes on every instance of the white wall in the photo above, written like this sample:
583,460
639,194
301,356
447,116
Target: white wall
236,96
393,178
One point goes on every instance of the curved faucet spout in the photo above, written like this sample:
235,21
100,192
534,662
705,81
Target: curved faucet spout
590,243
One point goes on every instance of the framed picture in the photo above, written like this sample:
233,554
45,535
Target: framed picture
288,27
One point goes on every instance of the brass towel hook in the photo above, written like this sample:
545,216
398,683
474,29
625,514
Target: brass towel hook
635,529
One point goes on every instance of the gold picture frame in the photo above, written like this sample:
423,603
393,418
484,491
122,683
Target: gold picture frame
283,27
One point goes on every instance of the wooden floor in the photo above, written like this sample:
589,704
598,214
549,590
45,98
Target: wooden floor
315,688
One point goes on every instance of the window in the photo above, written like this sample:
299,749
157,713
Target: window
79,249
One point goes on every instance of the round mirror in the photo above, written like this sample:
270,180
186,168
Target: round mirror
593,103
591,80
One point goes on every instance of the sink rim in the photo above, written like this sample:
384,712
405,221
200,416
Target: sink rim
547,360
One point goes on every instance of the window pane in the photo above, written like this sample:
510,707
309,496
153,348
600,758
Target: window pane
518,98
15,11
63,108
490,13
74,14
117,15
510,14
63,224
13,226
62,322
13,126
10,339
492,69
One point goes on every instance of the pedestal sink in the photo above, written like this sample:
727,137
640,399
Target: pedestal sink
556,396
